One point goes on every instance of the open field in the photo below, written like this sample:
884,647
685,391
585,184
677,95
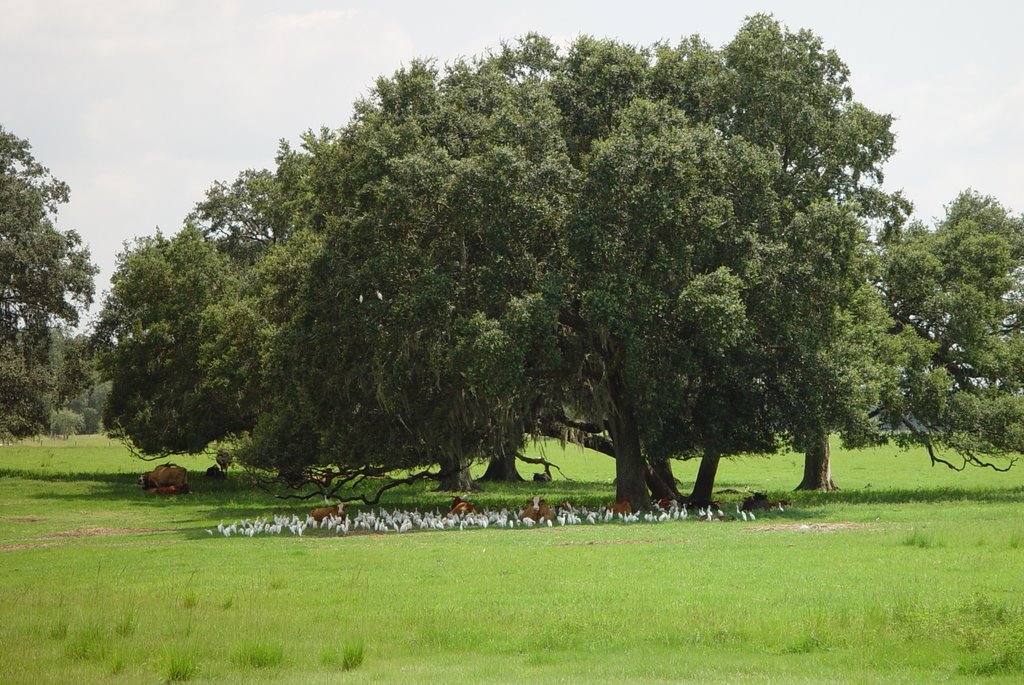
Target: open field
910,574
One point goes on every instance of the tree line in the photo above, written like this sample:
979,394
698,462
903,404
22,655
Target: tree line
661,252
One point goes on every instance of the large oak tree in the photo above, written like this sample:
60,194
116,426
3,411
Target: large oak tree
625,238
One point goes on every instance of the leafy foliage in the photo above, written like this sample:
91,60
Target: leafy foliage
45,278
65,422
666,250
954,294
167,326
661,242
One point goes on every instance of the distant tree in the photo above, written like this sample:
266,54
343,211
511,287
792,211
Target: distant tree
72,367
955,296
90,401
65,423
46,277
92,421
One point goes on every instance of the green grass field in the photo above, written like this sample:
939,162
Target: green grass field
910,574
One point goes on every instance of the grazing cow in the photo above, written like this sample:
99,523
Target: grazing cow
537,509
165,475
169,490
621,506
542,477
215,473
461,506
320,513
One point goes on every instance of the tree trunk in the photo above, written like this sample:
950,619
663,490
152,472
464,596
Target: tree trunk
661,482
455,476
502,469
704,485
630,466
818,467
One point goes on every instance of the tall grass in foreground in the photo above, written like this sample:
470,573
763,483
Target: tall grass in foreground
349,658
179,664
258,654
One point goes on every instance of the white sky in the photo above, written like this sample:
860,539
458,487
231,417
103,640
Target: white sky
141,104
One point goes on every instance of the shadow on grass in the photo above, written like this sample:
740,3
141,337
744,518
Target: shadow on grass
239,496
908,496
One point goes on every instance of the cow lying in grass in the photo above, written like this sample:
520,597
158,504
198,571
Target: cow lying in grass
461,506
537,509
166,479
320,513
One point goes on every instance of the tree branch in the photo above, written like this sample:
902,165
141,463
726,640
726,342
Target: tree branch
542,462
564,433
968,457
328,483
142,456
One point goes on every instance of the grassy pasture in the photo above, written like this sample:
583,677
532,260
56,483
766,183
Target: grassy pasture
909,574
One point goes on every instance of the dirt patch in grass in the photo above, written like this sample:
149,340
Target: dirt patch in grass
809,527
24,519
27,545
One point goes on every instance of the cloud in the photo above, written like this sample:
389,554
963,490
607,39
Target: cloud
956,130
140,106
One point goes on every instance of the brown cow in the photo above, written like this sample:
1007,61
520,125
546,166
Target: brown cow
321,513
622,506
461,506
537,509
165,475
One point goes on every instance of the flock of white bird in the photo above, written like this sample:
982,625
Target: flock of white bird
381,521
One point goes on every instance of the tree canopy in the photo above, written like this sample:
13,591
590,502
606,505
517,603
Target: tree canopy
955,297
634,239
666,251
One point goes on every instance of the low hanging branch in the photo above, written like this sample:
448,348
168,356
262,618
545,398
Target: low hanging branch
585,434
134,452
968,457
542,462
328,482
